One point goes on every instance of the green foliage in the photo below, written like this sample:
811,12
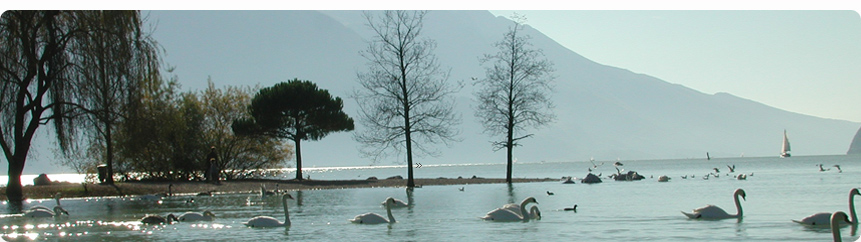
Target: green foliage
169,135
238,155
295,110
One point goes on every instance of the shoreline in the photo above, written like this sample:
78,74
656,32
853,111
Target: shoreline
133,188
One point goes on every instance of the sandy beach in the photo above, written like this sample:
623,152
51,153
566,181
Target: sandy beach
242,186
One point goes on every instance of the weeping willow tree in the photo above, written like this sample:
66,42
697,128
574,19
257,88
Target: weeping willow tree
113,57
36,88
59,66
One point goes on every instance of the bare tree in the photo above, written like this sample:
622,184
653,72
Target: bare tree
515,93
405,100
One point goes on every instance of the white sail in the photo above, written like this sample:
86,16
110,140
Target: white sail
784,151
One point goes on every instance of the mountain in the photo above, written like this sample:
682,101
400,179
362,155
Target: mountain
602,111
855,147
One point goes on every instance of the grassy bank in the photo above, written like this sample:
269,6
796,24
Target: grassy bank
243,186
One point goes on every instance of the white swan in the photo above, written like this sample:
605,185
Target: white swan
534,213
715,212
825,218
195,216
836,218
374,218
267,221
264,192
44,213
398,203
157,196
510,212
158,219
56,198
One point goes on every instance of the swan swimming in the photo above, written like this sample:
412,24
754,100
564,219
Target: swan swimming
715,212
195,216
157,219
836,218
44,213
534,213
158,196
54,210
510,212
268,221
56,198
374,218
825,218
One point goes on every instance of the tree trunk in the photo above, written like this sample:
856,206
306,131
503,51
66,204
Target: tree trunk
509,146
407,129
109,155
410,181
298,159
14,190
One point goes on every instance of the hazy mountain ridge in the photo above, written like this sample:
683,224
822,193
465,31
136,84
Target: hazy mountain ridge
602,111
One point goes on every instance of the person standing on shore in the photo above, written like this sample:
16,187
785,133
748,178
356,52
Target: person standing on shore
211,172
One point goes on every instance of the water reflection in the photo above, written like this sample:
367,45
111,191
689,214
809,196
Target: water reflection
410,200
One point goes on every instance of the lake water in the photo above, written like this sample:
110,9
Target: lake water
778,191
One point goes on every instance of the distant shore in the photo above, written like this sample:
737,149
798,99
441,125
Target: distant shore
239,186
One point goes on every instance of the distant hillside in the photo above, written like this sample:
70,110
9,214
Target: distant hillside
855,147
603,111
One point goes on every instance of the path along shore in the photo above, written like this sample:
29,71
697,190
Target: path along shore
240,186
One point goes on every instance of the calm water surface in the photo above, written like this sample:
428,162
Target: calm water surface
779,190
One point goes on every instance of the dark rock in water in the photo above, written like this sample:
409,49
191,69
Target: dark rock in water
630,176
591,178
398,177
855,147
373,178
42,180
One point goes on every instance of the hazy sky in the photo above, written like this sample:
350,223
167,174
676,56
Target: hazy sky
802,61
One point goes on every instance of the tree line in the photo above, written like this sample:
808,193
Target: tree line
95,77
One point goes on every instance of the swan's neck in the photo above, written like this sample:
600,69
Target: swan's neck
534,212
523,212
738,207
389,212
852,209
835,231
286,213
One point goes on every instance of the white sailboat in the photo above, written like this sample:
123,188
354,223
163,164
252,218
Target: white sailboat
784,151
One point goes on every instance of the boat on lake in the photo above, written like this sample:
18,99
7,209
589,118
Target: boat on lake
784,151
